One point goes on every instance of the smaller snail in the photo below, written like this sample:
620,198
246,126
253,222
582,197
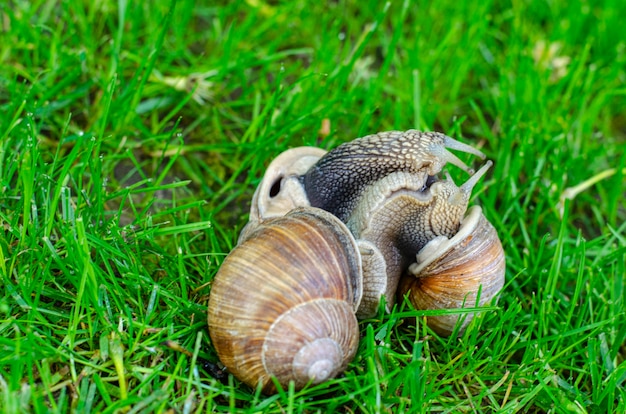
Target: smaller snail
282,304
397,217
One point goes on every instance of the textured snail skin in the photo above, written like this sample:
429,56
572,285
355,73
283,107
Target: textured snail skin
282,303
336,181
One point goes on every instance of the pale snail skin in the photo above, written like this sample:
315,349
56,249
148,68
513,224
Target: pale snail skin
402,219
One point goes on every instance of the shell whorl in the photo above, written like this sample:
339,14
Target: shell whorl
311,342
291,286
280,190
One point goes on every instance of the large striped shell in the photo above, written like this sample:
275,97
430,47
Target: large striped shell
282,304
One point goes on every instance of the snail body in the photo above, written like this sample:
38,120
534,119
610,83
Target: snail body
301,325
335,183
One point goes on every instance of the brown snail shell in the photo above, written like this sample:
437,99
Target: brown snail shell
282,304
450,273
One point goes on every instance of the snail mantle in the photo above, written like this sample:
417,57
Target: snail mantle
330,234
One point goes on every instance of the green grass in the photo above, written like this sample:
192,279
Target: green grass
133,134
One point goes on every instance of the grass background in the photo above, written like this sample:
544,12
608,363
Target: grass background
133,134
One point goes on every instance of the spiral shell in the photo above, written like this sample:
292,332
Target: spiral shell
450,273
282,304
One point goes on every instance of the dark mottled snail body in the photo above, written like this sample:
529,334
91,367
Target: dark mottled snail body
335,183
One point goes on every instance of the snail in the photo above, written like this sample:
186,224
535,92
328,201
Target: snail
283,302
398,217
466,270
334,181
376,205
